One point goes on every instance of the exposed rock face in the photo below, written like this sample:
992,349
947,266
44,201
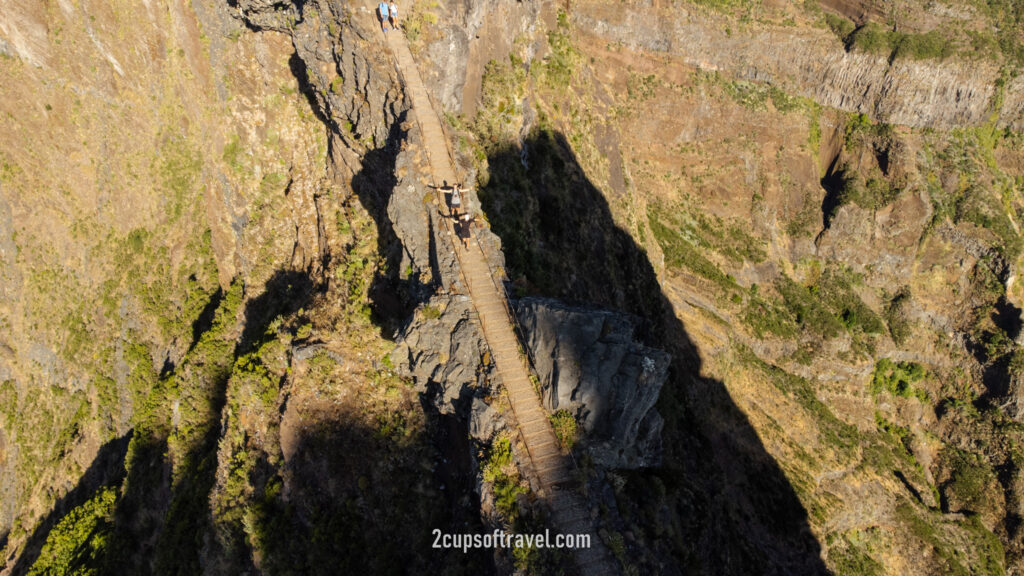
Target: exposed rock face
351,80
588,361
476,33
442,354
813,63
590,364
483,421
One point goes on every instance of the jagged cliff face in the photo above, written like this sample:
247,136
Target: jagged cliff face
812,62
215,217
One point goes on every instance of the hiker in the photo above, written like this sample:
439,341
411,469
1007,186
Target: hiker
465,223
383,12
393,9
456,201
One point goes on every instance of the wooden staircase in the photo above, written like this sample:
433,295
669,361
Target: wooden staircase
552,468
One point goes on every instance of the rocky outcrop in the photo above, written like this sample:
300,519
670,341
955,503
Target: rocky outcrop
588,361
441,349
590,364
348,78
473,34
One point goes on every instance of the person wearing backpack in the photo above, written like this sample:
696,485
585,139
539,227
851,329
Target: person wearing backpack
384,13
456,201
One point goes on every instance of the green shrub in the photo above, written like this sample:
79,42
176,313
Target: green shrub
1016,368
750,95
849,555
501,90
924,530
934,44
431,312
870,38
681,253
506,486
873,38
137,240
981,207
840,26
782,101
764,318
835,289
898,379
499,456
78,543
897,317
807,309
233,153
566,428
562,60
989,546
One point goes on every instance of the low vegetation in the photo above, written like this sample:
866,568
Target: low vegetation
566,428
563,58
686,236
937,44
947,558
898,379
419,21
825,307
500,470
851,554
78,543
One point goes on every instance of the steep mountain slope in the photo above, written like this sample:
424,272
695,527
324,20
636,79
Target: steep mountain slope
187,296
838,292
232,339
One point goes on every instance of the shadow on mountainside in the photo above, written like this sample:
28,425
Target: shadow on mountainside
719,504
107,469
363,500
160,522
349,498
390,296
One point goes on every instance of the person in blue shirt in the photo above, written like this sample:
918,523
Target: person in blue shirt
384,13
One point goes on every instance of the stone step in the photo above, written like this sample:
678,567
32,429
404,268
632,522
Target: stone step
537,432
545,444
523,395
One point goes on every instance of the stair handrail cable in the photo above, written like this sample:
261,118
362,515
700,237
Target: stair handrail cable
531,363
499,286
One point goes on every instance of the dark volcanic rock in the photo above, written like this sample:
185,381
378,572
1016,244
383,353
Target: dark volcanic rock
589,363
441,354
